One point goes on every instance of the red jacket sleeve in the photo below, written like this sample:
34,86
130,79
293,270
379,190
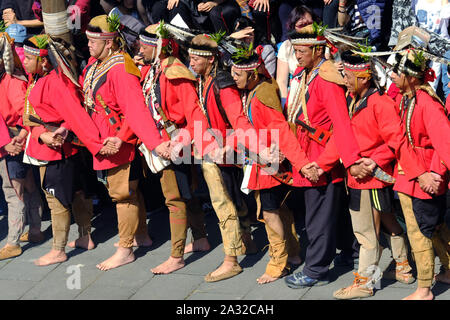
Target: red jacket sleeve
134,110
231,102
288,143
195,118
394,136
437,165
335,103
383,155
438,129
75,116
16,96
37,131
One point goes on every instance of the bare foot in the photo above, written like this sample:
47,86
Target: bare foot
54,256
295,260
265,278
443,277
121,257
421,294
170,265
140,241
198,245
84,242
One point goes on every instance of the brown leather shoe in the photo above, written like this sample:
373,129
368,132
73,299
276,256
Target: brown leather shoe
33,238
233,272
402,272
358,289
10,252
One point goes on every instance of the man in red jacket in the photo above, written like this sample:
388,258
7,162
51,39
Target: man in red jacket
170,95
381,140
262,106
427,128
109,80
19,187
221,104
316,106
64,174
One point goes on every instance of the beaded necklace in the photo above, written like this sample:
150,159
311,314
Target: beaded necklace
408,108
293,109
200,88
148,89
29,110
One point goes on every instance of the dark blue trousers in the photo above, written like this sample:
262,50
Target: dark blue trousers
322,206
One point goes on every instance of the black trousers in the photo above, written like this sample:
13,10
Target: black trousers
221,17
320,222
160,12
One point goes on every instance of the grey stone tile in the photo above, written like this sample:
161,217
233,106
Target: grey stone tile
132,275
100,292
173,286
198,295
14,289
240,284
392,293
200,263
276,290
63,284
338,280
441,291
23,267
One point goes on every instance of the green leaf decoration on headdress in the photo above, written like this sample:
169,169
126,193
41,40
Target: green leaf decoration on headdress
218,36
162,30
2,26
364,49
319,29
419,59
113,22
41,41
243,54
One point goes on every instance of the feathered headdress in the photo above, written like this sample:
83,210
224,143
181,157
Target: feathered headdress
202,47
245,58
37,45
8,54
62,57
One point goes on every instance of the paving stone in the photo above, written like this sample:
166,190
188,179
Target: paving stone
62,284
197,295
21,279
276,290
397,294
23,268
14,289
338,280
173,287
132,275
100,292
441,291
240,284
201,263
